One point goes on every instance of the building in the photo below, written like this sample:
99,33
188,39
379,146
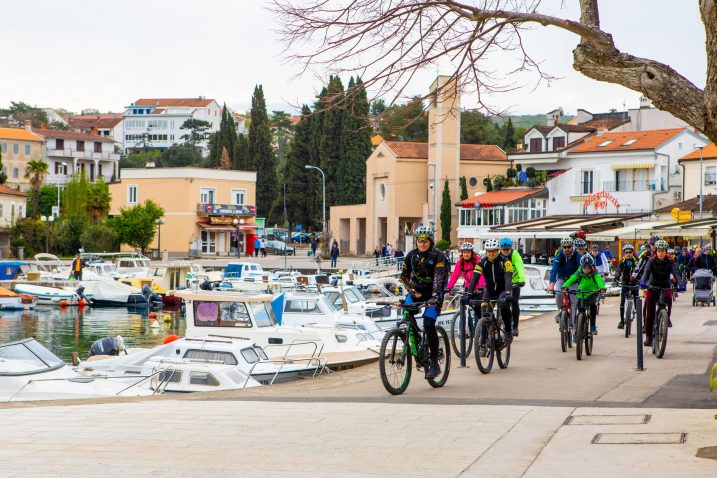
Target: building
70,152
200,207
240,123
13,206
18,147
699,166
156,122
405,181
108,125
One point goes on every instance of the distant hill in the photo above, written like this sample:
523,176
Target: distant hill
526,121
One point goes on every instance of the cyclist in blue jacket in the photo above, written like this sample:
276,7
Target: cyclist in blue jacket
565,264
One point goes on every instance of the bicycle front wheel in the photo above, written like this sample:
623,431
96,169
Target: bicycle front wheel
456,334
660,340
564,332
629,314
503,354
395,361
444,359
485,351
581,322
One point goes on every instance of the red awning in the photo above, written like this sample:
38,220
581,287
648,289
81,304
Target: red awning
216,227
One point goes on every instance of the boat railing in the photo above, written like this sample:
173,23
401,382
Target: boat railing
379,265
318,362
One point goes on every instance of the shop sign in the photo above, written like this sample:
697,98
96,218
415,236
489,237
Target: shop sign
599,201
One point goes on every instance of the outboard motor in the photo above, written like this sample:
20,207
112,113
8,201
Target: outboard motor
152,297
206,285
82,297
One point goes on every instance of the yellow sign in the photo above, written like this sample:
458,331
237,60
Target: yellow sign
684,216
220,220
675,212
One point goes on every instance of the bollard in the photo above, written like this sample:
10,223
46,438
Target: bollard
640,364
462,326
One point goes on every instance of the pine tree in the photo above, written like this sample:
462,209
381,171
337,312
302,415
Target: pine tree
509,141
355,147
330,143
296,175
260,154
446,207
224,139
464,188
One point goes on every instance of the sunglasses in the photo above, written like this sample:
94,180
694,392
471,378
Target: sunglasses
505,248
423,241
567,247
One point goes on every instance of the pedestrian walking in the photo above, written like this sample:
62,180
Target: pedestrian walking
334,253
314,244
398,255
77,266
263,247
257,246
377,254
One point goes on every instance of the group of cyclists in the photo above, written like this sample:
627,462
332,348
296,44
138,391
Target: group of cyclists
500,275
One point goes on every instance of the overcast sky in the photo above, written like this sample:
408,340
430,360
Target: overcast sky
80,54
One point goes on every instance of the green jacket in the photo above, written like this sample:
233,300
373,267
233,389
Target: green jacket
518,268
588,284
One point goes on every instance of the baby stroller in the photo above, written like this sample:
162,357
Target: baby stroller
702,288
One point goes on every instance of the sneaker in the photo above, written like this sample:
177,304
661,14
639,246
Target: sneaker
557,318
433,371
515,331
593,330
507,340
621,325
669,322
648,342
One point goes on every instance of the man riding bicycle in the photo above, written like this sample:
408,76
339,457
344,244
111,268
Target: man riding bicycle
624,275
424,275
518,280
590,283
581,246
657,274
498,272
566,263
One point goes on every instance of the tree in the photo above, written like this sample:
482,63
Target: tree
298,204
3,176
407,122
36,171
139,159
98,200
281,128
476,128
240,160
509,137
471,34
331,135
100,237
260,154
224,139
47,199
355,147
179,155
446,212
21,112
378,107
197,130
135,225
464,188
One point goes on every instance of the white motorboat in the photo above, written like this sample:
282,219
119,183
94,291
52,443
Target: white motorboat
350,299
129,264
55,296
10,300
28,371
197,274
237,315
534,297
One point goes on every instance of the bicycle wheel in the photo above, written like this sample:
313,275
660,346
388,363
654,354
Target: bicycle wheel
580,334
456,334
444,359
589,337
564,331
629,314
394,361
661,339
503,354
484,346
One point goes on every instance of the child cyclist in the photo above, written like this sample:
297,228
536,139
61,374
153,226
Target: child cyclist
590,283
464,268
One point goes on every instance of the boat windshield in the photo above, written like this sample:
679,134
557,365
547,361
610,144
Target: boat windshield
27,357
263,314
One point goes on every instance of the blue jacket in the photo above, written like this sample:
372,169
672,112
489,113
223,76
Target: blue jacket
564,267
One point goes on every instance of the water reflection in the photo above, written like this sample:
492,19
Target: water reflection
72,329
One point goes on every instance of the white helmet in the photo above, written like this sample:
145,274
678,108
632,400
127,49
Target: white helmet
466,246
424,232
491,245
119,342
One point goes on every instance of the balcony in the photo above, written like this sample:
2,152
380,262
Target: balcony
225,210
634,186
87,154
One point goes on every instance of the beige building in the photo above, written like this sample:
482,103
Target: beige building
695,171
204,208
19,147
404,181
13,205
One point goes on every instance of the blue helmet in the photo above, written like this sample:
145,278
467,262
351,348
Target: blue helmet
506,243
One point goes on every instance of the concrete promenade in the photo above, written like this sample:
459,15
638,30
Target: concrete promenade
547,415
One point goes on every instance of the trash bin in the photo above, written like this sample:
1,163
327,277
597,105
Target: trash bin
165,255
21,252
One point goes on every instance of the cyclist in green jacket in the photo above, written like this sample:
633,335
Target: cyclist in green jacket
590,284
507,251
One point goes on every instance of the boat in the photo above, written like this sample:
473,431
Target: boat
533,296
10,300
240,315
55,296
169,277
28,371
150,290
129,264
198,274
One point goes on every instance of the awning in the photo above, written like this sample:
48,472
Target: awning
216,227
555,227
700,228
633,166
639,230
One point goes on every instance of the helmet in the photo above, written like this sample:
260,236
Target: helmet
595,247
119,343
628,247
466,246
580,243
678,248
506,243
661,244
566,241
707,247
654,239
670,251
587,261
424,232
491,245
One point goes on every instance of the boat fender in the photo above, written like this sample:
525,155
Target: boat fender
81,303
170,338
152,315
167,318
63,303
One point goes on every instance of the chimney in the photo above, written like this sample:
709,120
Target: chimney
645,103
28,125
553,118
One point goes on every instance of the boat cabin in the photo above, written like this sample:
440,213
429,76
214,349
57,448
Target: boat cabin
243,270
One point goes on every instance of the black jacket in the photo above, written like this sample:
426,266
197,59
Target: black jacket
657,272
705,261
425,272
624,271
498,275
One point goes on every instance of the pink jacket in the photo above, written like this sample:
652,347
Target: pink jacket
465,269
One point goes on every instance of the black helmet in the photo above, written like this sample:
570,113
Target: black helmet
587,261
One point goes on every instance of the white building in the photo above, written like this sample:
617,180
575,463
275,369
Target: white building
108,125
68,152
156,122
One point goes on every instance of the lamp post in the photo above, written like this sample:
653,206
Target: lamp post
433,216
47,220
323,183
64,168
159,223
238,223
702,179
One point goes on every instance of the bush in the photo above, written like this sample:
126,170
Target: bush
498,182
28,233
519,167
443,245
511,173
99,238
530,172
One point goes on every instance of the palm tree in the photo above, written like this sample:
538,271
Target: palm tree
98,199
36,172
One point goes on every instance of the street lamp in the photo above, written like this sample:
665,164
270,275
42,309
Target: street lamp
238,223
159,223
702,179
323,182
64,168
47,220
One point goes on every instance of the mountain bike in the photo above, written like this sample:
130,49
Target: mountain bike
584,336
470,326
406,342
491,338
565,326
660,322
633,307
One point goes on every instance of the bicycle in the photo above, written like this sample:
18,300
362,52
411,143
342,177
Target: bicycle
584,336
492,337
633,307
565,326
405,342
660,322
470,326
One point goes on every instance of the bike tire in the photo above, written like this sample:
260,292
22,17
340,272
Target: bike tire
456,336
662,326
580,333
564,331
503,355
589,338
483,335
629,311
395,353
444,359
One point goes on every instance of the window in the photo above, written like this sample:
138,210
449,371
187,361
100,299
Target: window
382,190
238,196
27,149
472,182
16,148
631,141
131,194
558,142
536,145
170,376
263,314
15,173
206,195
604,143
226,358
59,144
80,146
3,147
221,314
586,186
203,378
302,306
711,176
98,147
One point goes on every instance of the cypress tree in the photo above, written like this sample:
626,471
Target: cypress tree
313,179
260,154
446,213
224,139
295,173
509,141
355,147
330,143
240,158
464,188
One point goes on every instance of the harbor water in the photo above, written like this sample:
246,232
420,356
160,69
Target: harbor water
73,329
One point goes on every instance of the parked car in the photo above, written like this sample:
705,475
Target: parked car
278,247
302,237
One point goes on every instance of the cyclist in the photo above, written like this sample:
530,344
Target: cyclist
623,274
518,281
590,283
498,272
581,246
464,267
657,274
601,264
424,275
566,263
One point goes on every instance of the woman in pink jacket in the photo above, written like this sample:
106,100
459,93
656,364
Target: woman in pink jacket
465,266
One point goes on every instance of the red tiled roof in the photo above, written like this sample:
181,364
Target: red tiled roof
504,196
568,128
645,140
469,152
94,121
19,134
51,133
708,152
557,172
11,191
709,203
608,124
166,102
